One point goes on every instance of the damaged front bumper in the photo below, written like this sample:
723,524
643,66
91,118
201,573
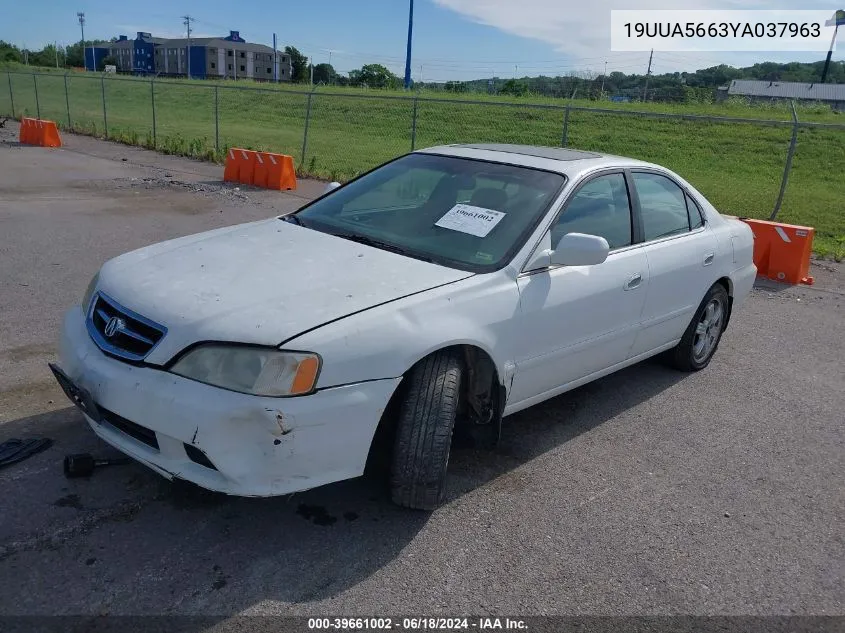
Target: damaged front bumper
230,442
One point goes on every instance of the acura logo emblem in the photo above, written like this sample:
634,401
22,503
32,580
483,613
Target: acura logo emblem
114,326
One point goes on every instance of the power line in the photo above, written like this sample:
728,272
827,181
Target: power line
460,65
599,59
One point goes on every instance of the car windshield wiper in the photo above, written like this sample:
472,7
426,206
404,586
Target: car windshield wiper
293,219
386,246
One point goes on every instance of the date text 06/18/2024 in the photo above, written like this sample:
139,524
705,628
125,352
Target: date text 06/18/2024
417,624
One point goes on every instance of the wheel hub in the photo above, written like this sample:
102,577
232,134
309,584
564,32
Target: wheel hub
707,331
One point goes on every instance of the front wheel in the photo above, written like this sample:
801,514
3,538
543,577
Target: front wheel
424,431
704,332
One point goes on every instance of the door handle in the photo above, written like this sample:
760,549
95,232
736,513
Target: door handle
633,282
709,259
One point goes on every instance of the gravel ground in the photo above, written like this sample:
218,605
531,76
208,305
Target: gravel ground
647,492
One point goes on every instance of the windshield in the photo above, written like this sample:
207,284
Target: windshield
463,213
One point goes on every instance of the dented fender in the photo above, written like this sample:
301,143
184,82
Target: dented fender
387,340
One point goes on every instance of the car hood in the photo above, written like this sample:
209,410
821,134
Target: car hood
260,283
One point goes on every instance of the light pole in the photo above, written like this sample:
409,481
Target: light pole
408,54
837,21
81,17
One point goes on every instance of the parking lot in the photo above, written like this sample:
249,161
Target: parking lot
647,492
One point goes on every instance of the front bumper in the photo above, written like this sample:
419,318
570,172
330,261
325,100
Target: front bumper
258,446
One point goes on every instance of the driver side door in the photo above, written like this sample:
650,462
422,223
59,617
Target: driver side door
576,321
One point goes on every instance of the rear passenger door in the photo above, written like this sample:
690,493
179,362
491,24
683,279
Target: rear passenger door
680,250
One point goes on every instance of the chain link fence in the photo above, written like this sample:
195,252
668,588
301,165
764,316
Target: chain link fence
742,165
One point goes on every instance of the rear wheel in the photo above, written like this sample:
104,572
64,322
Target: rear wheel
704,332
424,431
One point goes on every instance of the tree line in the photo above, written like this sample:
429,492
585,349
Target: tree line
369,75
678,86
51,55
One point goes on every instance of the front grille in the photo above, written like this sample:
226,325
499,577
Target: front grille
121,332
140,433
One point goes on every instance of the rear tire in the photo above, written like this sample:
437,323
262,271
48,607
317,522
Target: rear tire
704,332
424,431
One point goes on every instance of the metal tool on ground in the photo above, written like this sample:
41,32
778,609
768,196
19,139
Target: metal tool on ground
83,464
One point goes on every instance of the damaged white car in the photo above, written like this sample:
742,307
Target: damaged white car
430,297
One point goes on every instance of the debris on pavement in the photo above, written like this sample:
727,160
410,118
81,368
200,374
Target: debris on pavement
14,450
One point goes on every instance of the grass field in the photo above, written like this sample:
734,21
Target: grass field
737,165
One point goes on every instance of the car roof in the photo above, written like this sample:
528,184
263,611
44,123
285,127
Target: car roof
570,162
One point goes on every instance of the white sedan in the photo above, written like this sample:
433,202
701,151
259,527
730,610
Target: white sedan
428,298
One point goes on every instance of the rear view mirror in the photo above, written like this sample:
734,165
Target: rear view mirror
331,187
580,249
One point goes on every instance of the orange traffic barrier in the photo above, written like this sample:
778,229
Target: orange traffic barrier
246,166
262,169
259,174
281,173
232,168
50,134
39,132
782,251
27,131
240,166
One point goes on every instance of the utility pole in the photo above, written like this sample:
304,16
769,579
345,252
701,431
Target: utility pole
81,17
56,49
311,63
408,53
187,19
647,74
603,77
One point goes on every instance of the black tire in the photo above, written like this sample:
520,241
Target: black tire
687,356
424,431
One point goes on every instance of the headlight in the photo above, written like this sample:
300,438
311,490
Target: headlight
89,292
259,371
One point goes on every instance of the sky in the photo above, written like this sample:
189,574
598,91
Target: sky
453,39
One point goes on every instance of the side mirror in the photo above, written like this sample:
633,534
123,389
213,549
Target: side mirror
580,249
331,187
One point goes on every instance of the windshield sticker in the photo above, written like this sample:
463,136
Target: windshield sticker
469,219
485,257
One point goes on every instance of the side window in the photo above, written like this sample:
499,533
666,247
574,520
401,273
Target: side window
663,206
696,217
600,207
